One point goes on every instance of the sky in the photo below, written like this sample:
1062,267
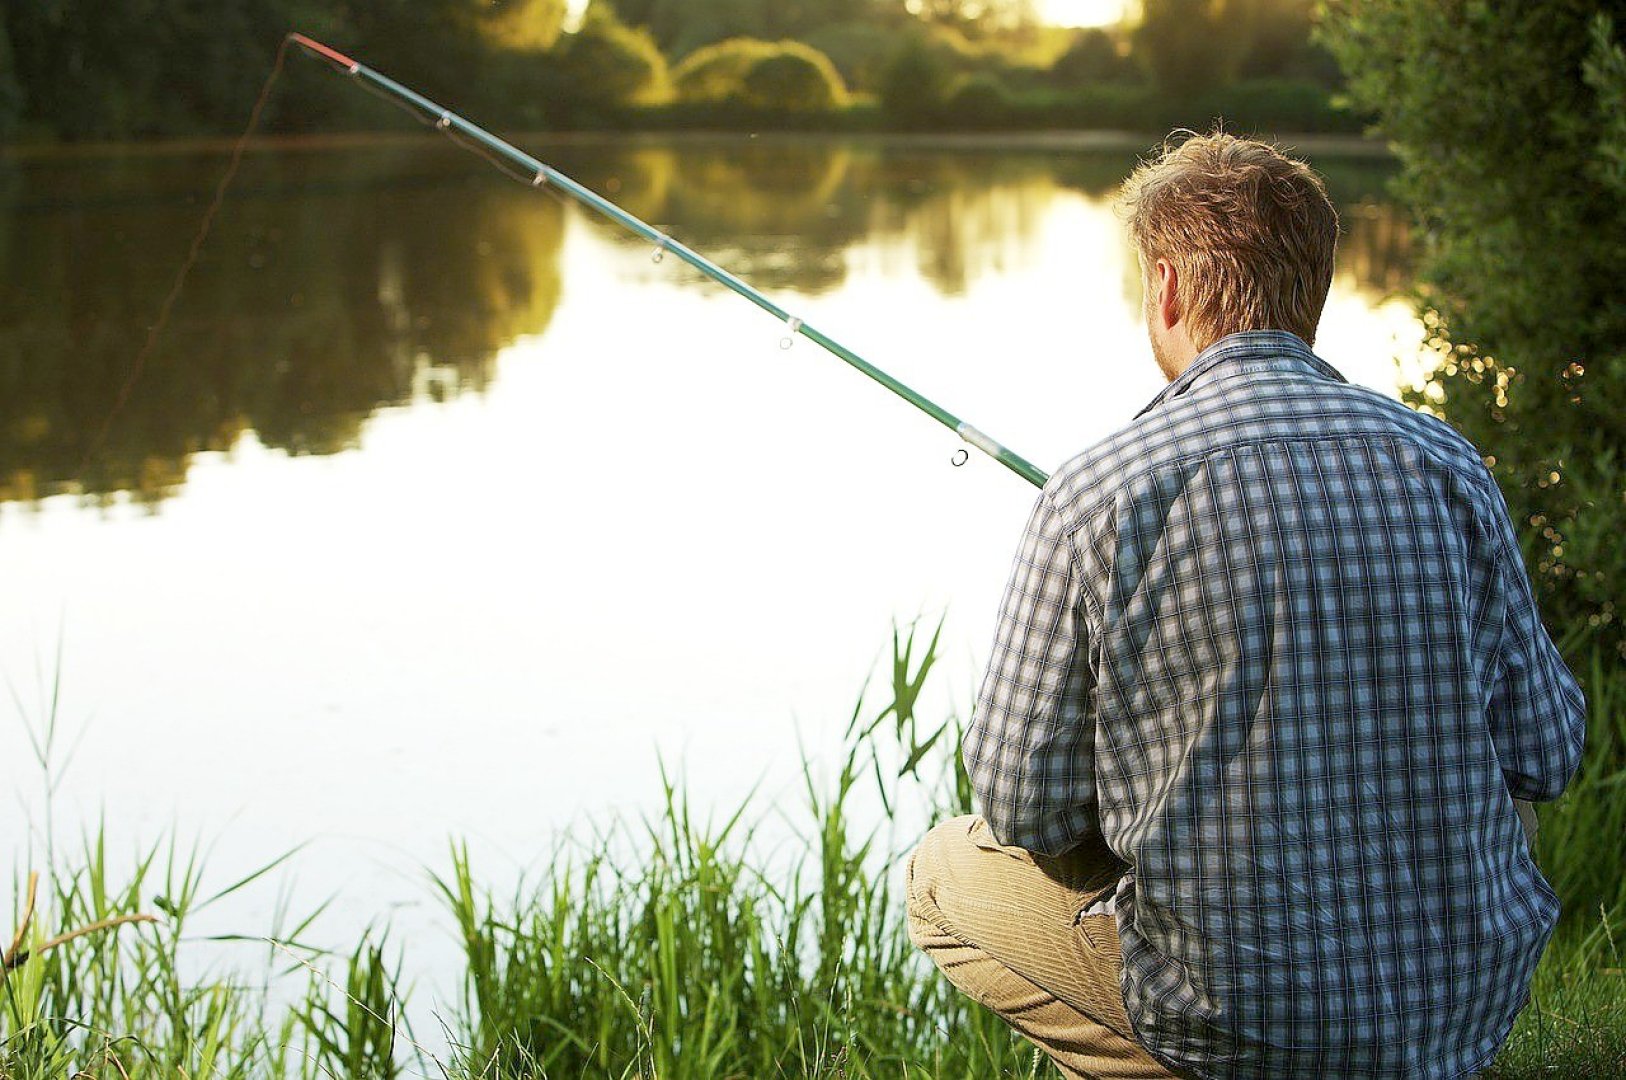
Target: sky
1059,12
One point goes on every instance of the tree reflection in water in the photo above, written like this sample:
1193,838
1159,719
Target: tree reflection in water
340,281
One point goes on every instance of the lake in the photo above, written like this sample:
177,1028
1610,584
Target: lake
443,510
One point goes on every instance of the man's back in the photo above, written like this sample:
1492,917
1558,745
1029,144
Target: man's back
1274,641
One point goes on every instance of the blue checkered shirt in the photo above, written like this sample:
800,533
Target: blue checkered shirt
1275,643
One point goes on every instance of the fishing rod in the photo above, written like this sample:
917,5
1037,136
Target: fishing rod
540,175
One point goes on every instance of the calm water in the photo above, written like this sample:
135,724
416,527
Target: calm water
442,509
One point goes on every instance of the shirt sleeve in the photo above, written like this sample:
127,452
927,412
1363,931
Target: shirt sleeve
1537,712
1030,748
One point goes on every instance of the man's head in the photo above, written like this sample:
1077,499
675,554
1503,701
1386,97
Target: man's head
1232,235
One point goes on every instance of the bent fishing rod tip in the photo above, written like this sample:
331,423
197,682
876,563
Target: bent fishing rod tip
326,52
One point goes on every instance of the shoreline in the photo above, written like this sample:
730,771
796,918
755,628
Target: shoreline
1065,140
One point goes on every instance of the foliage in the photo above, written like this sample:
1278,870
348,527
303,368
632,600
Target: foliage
795,77
717,72
11,92
976,16
1507,119
1093,57
786,75
87,70
1188,46
523,25
608,63
916,83
1192,47
981,101
860,50
1274,39
682,26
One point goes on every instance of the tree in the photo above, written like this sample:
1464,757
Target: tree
1188,46
522,24
795,77
683,25
1510,124
609,63
717,72
1092,58
974,16
1273,35
770,75
11,93
915,84
980,101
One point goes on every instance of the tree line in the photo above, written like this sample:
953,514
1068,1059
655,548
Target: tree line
82,69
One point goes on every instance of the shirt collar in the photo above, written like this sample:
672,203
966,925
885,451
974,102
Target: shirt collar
1250,350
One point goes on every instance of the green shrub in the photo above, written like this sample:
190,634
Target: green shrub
980,101
860,51
11,95
1188,46
916,82
1092,58
1508,124
797,78
785,75
717,72
522,25
609,63
1275,105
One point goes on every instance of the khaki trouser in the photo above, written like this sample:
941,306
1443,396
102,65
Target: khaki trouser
1007,928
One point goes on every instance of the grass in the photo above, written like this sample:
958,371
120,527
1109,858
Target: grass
680,947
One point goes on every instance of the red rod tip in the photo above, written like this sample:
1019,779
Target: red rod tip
323,51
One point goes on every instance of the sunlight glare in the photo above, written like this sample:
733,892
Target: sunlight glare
1083,12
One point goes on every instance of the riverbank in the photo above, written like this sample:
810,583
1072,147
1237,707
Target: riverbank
1311,144
674,948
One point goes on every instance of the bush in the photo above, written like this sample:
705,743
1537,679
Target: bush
786,76
915,84
859,50
717,72
796,78
1276,105
11,95
1092,58
522,25
1508,124
981,101
1188,46
608,63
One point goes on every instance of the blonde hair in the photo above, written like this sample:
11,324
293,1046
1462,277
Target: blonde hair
1250,232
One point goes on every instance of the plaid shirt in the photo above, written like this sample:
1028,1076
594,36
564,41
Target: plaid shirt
1275,642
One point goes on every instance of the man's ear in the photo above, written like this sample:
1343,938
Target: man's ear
1167,305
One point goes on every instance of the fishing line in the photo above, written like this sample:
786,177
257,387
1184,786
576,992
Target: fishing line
168,306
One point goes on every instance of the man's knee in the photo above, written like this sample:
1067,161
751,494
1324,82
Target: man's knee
929,874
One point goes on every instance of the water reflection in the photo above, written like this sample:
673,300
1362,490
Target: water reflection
335,283
341,281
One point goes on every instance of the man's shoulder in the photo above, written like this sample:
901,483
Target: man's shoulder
1217,419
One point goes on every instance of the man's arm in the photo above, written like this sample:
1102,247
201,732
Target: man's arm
1537,713
1030,749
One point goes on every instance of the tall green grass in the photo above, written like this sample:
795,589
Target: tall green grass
681,946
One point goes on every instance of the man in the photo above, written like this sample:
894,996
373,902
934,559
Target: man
1267,681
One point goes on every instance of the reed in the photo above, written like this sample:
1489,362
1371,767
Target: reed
680,946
